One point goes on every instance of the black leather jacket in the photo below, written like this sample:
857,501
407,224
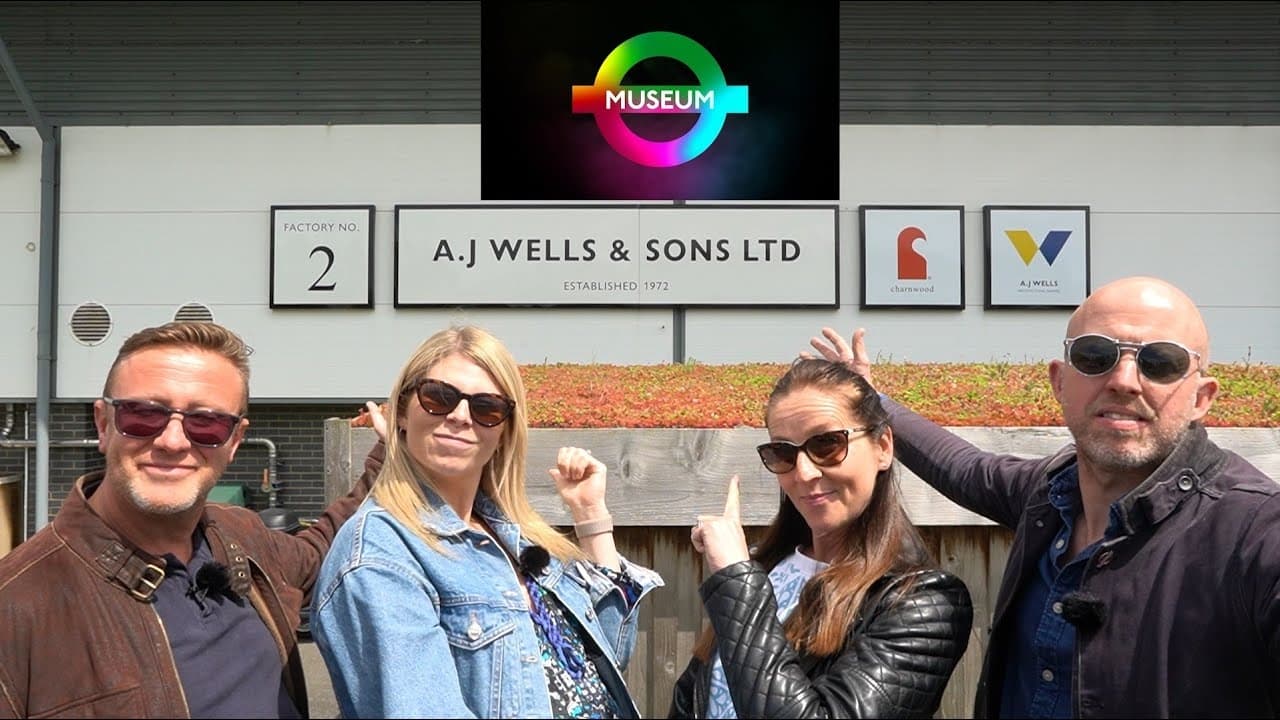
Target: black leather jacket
895,663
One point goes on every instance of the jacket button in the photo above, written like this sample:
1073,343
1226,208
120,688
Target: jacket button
591,614
1039,523
473,631
1185,483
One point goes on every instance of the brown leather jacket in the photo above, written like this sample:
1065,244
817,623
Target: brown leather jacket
79,636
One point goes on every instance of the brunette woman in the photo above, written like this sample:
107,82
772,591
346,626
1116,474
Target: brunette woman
840,611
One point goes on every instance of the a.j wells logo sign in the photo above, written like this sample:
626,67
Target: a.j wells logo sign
712,99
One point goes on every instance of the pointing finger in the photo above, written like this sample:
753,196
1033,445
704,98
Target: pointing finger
731,502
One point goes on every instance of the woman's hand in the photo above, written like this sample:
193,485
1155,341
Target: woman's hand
580,480
836,349
719,537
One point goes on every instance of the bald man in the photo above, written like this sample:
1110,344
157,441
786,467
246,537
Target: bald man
1144,575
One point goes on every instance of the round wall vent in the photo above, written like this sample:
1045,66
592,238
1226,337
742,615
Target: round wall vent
193,312
90,323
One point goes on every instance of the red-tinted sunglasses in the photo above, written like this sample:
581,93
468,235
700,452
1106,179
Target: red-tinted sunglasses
488,409
144,419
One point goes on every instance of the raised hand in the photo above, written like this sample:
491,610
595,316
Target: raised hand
719,537
834,348
377,419
580,480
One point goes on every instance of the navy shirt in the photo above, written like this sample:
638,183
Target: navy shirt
1040,660
226,658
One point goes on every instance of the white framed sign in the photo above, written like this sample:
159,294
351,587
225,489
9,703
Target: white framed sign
600,255
1036,256
322,256
912,256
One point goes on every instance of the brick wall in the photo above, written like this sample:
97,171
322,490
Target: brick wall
297,431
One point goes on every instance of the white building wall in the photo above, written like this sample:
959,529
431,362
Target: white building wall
154,217
1198,206
19,263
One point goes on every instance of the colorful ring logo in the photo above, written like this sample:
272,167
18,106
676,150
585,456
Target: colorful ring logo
713,99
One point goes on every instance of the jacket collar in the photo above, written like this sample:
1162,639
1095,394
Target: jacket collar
1189,468
105,551
120,562
441,519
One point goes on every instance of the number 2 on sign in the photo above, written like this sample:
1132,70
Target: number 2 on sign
328,266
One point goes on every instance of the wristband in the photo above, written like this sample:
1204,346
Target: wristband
598,526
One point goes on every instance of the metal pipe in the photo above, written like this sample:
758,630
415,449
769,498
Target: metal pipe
20,89
272,481
9,419
46,313
80,442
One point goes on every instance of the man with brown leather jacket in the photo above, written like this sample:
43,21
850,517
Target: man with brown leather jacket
142,600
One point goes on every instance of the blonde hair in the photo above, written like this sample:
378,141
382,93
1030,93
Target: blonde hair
399,486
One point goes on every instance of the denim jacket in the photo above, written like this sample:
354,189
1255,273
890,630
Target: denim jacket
408,631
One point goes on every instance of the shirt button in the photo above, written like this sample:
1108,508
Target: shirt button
1039,523
1061,542
530,658
1057,608
1046,675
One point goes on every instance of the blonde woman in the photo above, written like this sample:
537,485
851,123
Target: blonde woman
446,595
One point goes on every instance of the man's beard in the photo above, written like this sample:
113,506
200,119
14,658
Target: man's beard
135,482
1114,452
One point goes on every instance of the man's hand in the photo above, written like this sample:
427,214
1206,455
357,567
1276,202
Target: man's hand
377,419
834,348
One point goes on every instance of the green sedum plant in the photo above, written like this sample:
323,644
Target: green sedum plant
695,395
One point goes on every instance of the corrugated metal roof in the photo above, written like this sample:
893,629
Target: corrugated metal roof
414,62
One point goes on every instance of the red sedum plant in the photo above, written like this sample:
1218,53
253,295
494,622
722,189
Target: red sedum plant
694,395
